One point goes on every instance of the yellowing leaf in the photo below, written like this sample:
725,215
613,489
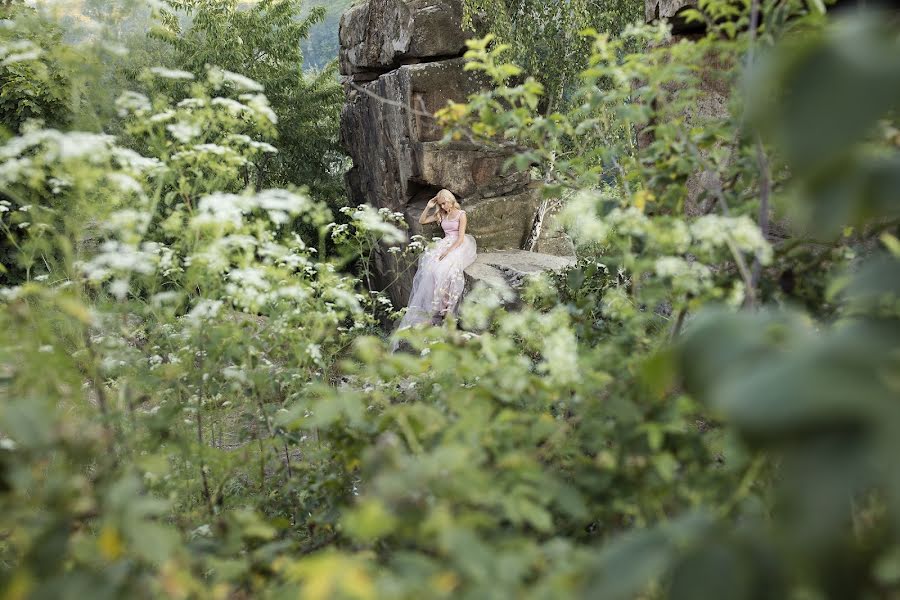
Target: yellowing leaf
18,587
891,243
641,198
445,582
110,543
370,521
329,575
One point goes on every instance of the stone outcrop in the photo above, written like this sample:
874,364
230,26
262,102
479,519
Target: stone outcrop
401,61
379,36
507,270
666,9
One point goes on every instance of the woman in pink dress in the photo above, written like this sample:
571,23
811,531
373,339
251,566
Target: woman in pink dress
439,281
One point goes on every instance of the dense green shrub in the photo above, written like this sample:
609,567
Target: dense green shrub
195,401
545,37
262,41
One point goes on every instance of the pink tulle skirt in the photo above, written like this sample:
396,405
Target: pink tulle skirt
438,284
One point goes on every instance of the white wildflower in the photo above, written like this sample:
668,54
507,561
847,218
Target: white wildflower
581,221
233,373
686,277
560,355
192,103
117,257
129,159
630,221
163,298
204,310
712,232
213,149
58,184
369,220
221,208
19,51
174,74
132,103
260,105
119,288
166,115
184,132
240,82
315,353
15,169
232,106
617,305
281,203
125,183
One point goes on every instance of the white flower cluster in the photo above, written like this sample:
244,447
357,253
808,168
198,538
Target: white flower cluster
560,354
707,233
19,51
131,160
248,287
128,222
714,231
480,304
118,261
246,140
173,74
23,157
617,305
259,104
57,145
219,77
125,183
183,131
686,277
231,209
205,310
581,221
630,221
133,103
670,236
379,222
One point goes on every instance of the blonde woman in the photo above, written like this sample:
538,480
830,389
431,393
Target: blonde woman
438,284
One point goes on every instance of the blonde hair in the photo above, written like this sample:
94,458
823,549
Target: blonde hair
448,195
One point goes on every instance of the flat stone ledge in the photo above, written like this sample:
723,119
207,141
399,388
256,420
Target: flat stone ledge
507,270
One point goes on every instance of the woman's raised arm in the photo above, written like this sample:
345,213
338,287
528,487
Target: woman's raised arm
424,217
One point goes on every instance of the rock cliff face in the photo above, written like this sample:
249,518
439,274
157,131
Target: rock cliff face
401,61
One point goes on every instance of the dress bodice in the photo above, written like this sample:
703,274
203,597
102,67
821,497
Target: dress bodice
451,226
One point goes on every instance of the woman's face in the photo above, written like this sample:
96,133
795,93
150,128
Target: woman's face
445,204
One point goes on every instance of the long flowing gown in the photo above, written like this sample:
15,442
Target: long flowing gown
438,284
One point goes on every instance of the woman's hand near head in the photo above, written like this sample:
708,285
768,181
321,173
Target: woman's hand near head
425,217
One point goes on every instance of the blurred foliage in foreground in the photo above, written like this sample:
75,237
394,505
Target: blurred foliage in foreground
700,409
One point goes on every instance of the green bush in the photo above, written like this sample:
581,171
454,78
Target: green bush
263,42
195,400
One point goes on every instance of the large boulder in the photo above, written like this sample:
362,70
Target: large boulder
385,125
468,170
665,9
380,35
